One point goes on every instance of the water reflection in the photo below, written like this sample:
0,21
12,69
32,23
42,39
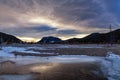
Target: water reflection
63,67
68,71
15,77
43,67
58,71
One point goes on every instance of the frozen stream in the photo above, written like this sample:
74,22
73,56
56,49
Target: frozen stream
110,64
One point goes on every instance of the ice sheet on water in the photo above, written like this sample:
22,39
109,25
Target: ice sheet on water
40,48
111,66
15,77
79,46
6,51
76,58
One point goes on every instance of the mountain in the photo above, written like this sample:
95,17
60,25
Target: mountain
50,40
111,37
72,41
6,38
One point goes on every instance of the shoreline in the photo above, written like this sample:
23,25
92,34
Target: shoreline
55,50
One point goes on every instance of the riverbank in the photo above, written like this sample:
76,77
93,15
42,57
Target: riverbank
58,49
59,62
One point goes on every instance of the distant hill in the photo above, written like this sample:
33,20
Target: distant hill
50,40
6,38
111,37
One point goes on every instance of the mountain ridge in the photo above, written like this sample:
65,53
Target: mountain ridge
110,37
99,38
7,38
50,40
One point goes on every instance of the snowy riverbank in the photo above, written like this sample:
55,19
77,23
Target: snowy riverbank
108,64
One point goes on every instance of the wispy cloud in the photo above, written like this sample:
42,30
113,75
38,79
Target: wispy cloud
67,17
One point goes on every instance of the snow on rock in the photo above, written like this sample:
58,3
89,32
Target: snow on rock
111,66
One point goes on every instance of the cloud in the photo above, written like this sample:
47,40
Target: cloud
67,32
62,17
113,7
78,10
30,31
85,13
42,28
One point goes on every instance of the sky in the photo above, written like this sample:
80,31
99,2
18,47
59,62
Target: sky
31,20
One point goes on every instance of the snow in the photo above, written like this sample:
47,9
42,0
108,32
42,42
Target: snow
6,54
40,48
74,58
111,66
53,59
7,51
15,77
79,46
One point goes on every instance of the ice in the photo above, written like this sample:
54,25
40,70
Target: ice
111,66
7,51
15,77
79,46
11,49
75,58
40,48
54,59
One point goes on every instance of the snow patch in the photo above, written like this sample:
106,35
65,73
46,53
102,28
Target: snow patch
78,46
7,51
111,66
15,77
76,58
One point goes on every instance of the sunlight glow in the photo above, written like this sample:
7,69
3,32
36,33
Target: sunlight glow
51,22
29,39
43,68
41,20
